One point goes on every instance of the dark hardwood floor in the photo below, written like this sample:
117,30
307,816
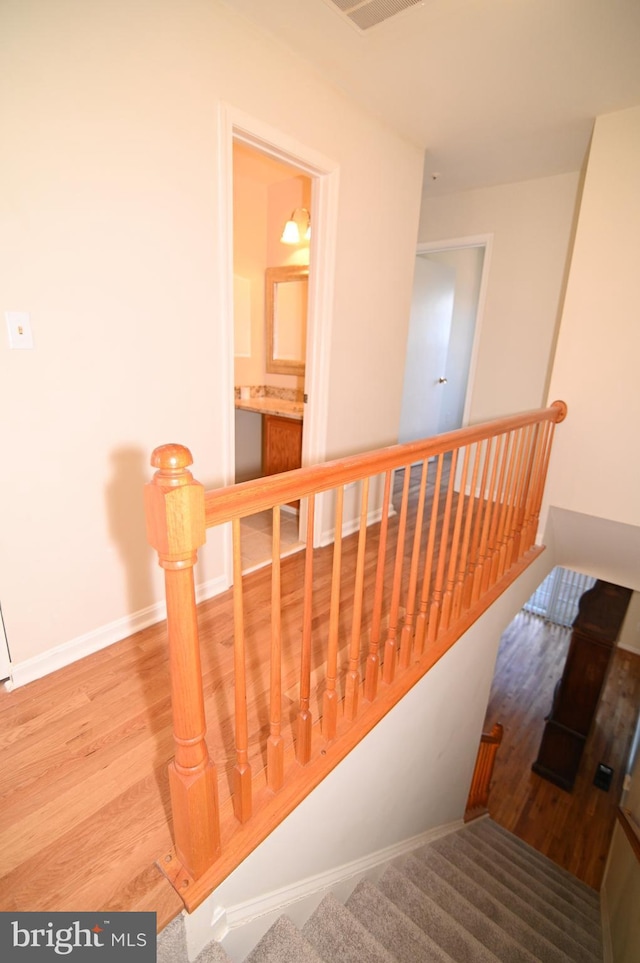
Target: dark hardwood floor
574,829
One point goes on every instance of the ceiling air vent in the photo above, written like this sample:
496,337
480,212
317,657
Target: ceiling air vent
369,13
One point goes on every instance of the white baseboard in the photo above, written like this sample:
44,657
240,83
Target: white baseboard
241,926
84,645
628,648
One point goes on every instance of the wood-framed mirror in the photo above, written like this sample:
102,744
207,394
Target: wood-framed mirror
286,315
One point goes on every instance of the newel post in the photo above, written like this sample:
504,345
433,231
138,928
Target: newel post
174,505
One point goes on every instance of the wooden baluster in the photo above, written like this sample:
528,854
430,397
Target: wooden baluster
389,664
491,571
527,536
514,513
542,475
275,742
510,496
479,514
242,803
373,659
175,515
464,563
447,600
433,623
484,561
305,722
521,524
330,697
406,635
352,686
421,620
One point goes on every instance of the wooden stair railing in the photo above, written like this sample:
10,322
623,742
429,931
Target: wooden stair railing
483,773
396,590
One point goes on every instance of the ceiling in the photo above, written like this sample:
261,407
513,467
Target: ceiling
494,91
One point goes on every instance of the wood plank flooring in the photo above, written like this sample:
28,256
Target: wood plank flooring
573,829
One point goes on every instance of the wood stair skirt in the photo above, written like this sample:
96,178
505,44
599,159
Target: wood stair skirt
476,895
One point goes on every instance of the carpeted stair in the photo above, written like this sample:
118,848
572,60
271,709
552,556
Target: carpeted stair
475,896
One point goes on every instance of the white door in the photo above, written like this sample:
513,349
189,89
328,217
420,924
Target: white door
427,347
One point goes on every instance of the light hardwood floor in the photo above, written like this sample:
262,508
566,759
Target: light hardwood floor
574,829
83,785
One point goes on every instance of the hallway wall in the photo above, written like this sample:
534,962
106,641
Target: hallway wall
111,240
531,223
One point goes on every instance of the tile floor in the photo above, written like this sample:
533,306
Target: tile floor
256,533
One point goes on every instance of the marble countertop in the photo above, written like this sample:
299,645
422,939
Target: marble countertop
271,406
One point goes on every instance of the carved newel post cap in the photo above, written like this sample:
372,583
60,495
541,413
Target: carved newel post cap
171,458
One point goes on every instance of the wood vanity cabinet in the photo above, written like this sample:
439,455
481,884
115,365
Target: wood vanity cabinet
281,445
601,613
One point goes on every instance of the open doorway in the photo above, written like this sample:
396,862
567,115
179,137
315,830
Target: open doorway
450,281
236,127
271,254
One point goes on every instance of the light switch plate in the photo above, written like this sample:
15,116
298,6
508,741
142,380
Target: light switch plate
19,326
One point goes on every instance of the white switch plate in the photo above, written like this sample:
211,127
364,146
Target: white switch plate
19,325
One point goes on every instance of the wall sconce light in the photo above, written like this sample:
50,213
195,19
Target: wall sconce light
297,228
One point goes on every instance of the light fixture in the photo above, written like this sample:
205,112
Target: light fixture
292,234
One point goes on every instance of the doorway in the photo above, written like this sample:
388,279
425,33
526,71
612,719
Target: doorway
449,291
271,254
237,130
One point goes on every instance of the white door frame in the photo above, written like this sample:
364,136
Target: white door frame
5,658
476,240
324,173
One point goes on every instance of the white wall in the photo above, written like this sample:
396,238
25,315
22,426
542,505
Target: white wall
630,634
621,884
110,239
531,223
411,774
596,469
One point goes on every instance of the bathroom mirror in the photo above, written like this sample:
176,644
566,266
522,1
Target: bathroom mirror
286,310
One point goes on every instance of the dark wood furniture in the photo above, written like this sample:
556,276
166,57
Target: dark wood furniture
601,612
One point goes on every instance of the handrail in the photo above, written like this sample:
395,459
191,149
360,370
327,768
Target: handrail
409,581
483,773
259,494
631,829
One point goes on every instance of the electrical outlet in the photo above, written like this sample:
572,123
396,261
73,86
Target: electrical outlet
19,327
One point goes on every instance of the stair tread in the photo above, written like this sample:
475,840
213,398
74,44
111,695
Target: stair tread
541,915
336,934
283,943
502,943
392,928
503,916
546,888
212,953
589,894
550,904
537,865
439,925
